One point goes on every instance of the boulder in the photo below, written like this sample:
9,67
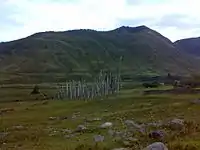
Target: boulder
196,101
131,139
70,136
156,134
155,124
93,120
66,131
176,124
5,110
127,143
98,138
80,128
52,118
106,125
130,124
18,127
156,146
120,149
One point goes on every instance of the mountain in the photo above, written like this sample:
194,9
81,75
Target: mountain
53,56
190,45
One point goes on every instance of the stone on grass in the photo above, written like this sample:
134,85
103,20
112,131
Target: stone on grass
131,123
176,124
69,136
97,119
120,149
156,134
5,110
121,134
18,127
52,118
80,128
155,124
106,125
131,139
53,133
67,131
93,120
98,138
156,146
196,101
62,118
127,143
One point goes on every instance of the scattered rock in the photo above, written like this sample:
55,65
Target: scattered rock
120,134
52,134
19,127
58,118
156,134
74,117
156,146
196,101
106,125
127,143
120,149
66,131
70,136
176,124
62,118
52,118
131,139
80,128
142,130
130,124
98,138
116,135
155,124
5,110
93,120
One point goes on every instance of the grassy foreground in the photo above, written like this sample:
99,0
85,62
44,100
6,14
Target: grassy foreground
32,126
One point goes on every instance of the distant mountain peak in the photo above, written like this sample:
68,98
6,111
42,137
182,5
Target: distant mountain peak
131,29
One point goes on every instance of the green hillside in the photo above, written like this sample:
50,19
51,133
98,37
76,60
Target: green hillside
190,46
53,56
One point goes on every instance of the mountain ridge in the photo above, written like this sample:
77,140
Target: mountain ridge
189,45
85,52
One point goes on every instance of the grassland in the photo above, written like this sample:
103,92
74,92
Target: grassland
29,127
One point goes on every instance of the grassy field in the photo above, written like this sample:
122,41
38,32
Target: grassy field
40,125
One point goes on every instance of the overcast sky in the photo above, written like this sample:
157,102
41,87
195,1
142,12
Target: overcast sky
175,19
